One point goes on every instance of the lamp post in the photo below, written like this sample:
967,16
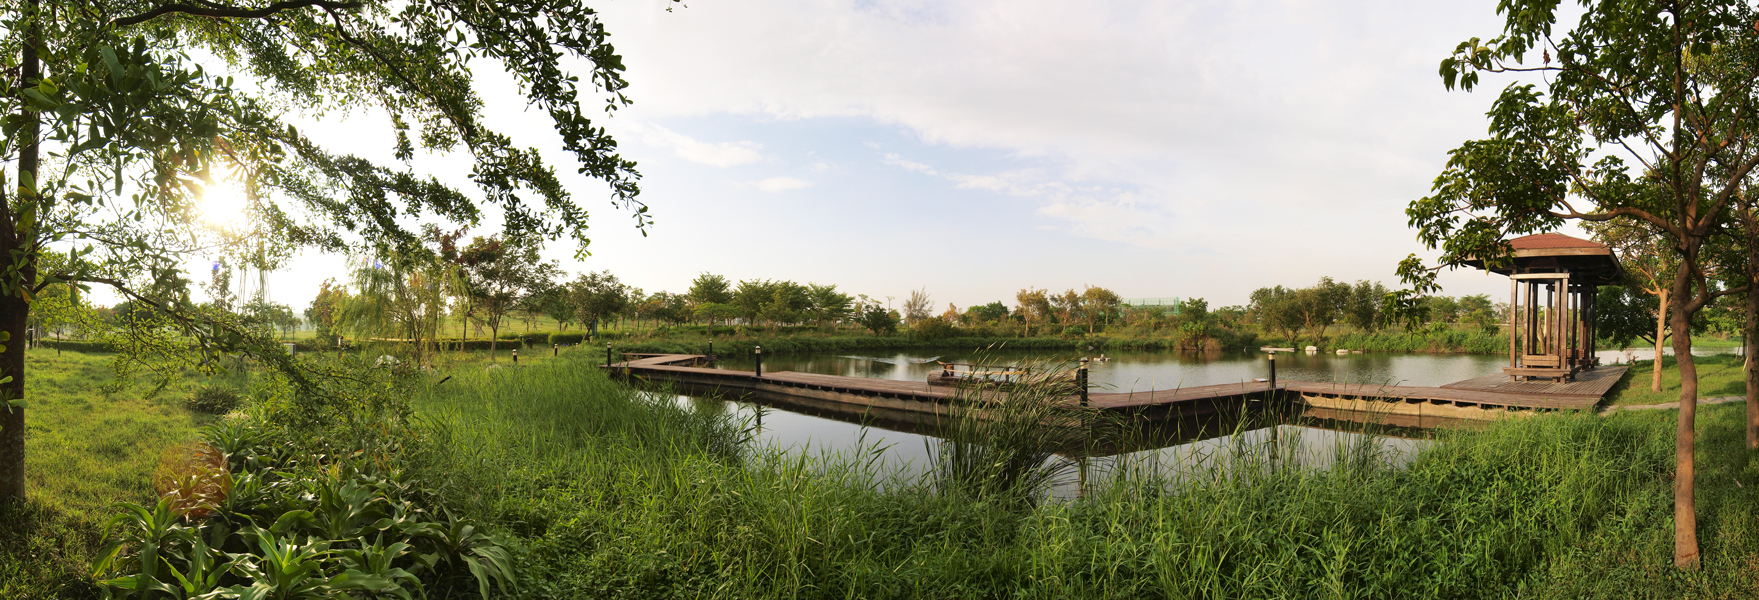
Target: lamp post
607,354
758,351
1081,380
516,356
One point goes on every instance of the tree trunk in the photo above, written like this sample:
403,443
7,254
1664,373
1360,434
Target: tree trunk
1660,334
14,310
1685,512
494,337
1748,342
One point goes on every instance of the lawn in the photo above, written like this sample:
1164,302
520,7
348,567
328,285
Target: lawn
1718,375
84,449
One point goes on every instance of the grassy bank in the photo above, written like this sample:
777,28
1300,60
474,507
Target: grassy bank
1718,375
641,500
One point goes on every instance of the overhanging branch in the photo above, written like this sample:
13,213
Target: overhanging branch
231,12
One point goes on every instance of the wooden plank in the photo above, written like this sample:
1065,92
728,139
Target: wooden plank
1595,382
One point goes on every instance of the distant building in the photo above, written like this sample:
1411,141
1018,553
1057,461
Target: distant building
1170,303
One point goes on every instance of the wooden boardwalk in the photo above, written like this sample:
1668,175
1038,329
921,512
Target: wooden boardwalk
858,393
1595,383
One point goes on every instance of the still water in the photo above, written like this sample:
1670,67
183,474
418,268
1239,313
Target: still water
1310,444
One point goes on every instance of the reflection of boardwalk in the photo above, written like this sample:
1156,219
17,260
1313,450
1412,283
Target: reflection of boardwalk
1482,398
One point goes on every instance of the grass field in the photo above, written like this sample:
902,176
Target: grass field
84,450
1718,375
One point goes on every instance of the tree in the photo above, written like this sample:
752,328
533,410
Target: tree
1748,217
272,316
403,297
1194,322
751,296
1098,304
876,318
1318,307
1067,306
714,311
323,312
595,296
994,312
1443,309
1479,311
1362,310
1649,265
1275,308
110,135
1669,85
827,305
709,288
1034,307
499,274
917,306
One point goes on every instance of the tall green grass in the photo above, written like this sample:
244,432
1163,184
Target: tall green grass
625,494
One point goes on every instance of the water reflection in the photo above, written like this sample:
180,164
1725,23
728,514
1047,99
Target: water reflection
1170,450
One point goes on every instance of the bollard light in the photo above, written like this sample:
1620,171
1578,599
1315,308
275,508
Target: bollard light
758,351
515,356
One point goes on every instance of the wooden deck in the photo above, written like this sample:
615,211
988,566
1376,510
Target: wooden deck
1494,393
1119,400
1578,395
1595,383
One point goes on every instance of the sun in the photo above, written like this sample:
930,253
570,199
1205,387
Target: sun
224,204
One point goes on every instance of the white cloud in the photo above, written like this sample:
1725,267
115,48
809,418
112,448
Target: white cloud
779,184
1258,105
723,154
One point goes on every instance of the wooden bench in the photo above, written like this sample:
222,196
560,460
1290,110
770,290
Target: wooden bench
1541,360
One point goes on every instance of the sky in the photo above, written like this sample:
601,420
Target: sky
975,148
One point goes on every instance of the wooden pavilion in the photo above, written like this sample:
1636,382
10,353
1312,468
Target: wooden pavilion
1552,283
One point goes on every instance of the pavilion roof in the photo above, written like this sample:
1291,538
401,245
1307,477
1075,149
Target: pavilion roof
1544,241
1586,261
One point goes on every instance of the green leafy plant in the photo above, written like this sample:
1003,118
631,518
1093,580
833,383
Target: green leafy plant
213,398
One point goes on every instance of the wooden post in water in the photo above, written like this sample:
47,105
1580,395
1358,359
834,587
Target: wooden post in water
758,352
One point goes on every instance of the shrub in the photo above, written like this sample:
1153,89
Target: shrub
932,328
214,399
568,338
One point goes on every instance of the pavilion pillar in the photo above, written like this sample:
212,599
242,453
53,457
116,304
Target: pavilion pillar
1514,309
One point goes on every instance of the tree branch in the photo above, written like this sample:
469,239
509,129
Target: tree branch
209,9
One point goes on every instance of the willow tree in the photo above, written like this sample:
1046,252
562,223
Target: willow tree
112,134
1646,113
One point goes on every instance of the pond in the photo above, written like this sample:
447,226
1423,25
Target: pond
1187,447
